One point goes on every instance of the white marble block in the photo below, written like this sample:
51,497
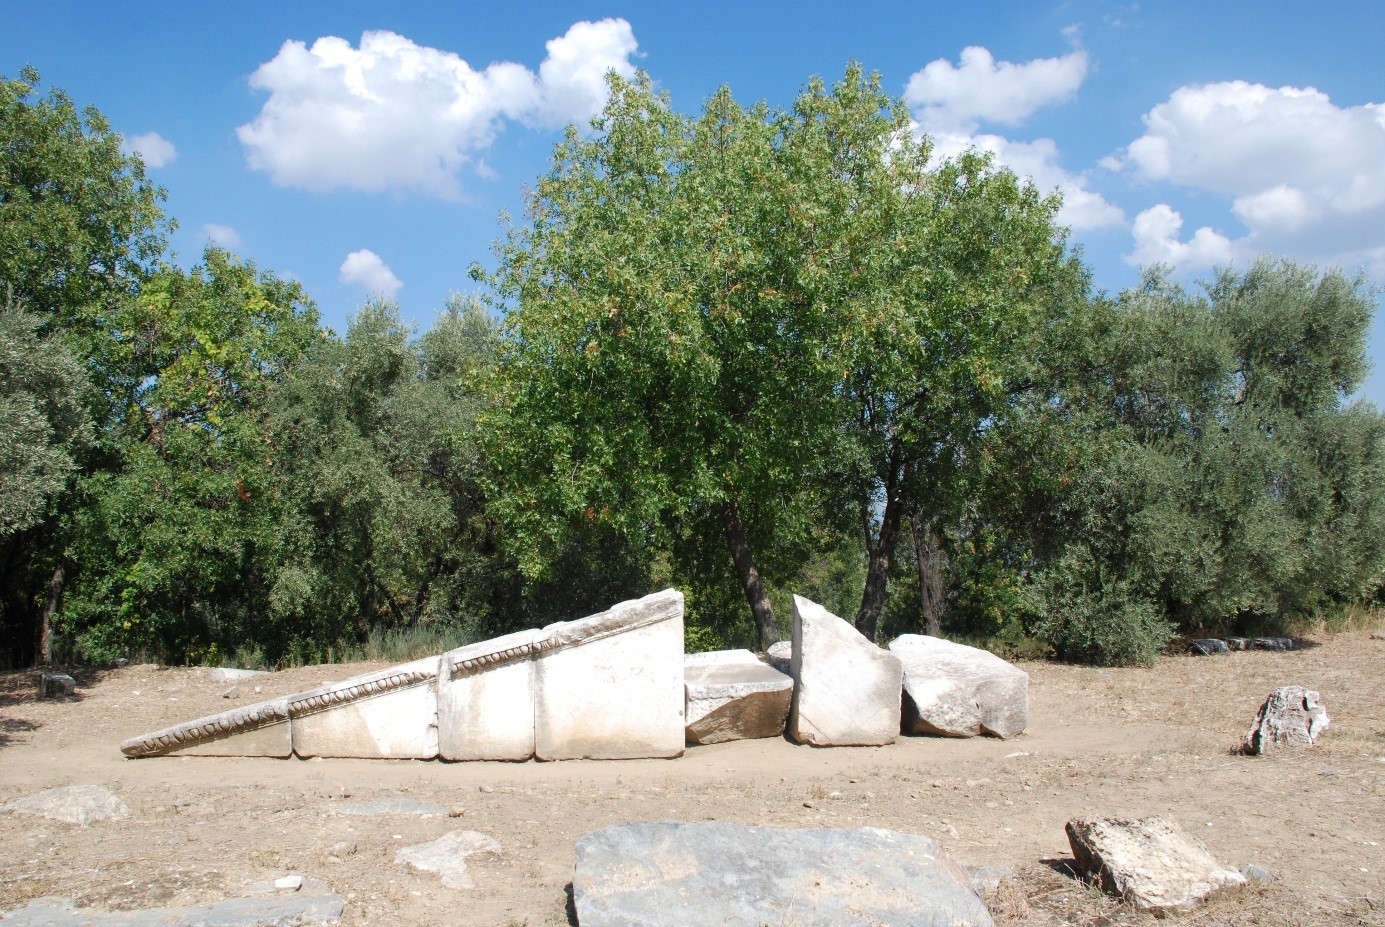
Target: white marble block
847,690
390,714
731,695
486,700
611,686
960,691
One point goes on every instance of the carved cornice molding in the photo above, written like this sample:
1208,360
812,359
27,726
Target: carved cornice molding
249,718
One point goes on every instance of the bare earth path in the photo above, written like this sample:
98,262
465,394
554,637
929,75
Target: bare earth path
1126,742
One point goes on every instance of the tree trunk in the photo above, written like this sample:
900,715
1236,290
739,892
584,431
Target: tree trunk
932,574
50,608
754,589
878,569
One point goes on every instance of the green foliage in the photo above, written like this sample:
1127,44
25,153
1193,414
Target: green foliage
43,420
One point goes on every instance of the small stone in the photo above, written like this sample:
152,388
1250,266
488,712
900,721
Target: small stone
289,883
343,849
808,804
987,879
118,662
233,692
1254,872
487,789
1378,635
456,811
1291,716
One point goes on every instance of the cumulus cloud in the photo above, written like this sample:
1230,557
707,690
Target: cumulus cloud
1304,176
981,89
949,103
153,149
1156,232
391,114
223,236
365,269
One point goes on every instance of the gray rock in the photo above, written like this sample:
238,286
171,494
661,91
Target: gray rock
1238,643
733,696
394,806
959,691
1254,872
75,804
1378,635
56,685
668,872
447,855
1292,716
780,656
318,907
1206,646
225,674
1272,643
1150,862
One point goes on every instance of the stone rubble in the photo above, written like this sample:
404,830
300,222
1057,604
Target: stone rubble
959,691
730,875
846,689
1291,716
1150,862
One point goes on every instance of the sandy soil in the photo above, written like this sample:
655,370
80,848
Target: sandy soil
1128,742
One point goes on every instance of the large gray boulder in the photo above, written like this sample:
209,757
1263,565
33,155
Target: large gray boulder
1151,862
960,691
1292,716
846,689
668,872
731,695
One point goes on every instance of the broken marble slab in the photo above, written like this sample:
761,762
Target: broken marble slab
846,689
74,804
447,855
610,686
261,729
1291,716
486,700
959,691
388,714
1150,862
316,905
730,875
731,695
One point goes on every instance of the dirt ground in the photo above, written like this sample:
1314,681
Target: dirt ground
1127,742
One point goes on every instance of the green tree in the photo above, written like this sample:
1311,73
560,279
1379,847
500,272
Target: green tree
175,540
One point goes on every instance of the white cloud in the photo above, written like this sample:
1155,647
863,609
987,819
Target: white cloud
153,149
1156,242
1304,176
949,103
364,268
392,114
981,89
223,236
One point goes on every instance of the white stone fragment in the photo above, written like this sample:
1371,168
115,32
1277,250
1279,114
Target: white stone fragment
486,711
75,804
1150,862
447,855
611,686
960,691
1291,716
389,714
847,690
780,656
731,695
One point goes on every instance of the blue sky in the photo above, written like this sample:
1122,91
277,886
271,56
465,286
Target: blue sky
360,148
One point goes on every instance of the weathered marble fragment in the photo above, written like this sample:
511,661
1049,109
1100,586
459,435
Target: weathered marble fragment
447,855
959,691
780,656
75,804
261,729
1292,716
611,686
668,872
486,700
847,690
731,695
389,714
1150,862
